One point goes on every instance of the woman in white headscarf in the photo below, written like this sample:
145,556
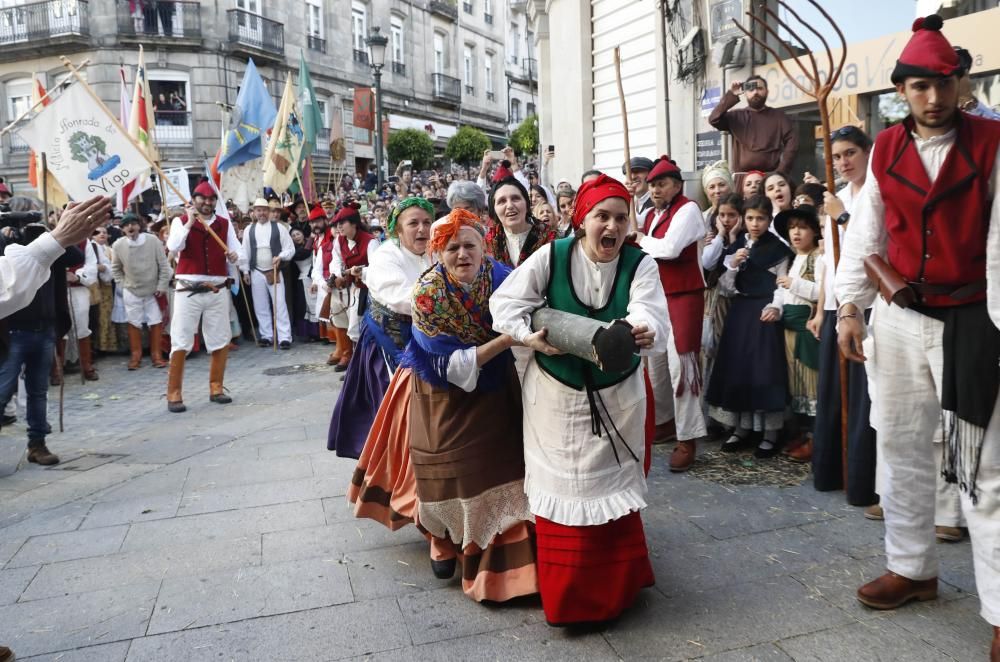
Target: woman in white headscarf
717,182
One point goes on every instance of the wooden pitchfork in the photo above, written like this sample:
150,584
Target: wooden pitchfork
817,85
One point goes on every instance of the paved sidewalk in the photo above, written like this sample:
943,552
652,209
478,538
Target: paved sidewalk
223,534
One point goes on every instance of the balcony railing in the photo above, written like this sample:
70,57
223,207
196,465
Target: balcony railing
531,68
445,8
446,88
316,43
490,96
172,127
323,141
399,68
470,90
18,146
167,21
362,136
252,31
39,22
361,57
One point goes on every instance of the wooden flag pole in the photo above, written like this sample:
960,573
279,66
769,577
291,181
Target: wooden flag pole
628,152
274,312
159,172
40,101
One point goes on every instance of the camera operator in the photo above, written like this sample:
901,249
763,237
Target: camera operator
763,137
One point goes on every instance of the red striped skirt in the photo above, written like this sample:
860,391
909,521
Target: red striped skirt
590,574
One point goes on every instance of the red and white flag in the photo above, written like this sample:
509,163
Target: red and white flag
140,126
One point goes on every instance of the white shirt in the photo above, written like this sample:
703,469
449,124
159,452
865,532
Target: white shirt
24,269
686,228
262,234
524,291
88,272
868,235
515,242
391,274
337,261
846,196
801,291
177,239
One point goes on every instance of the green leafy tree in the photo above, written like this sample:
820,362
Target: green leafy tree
411,145
467,145
524,139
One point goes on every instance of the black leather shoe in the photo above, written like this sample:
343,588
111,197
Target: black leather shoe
765,453
176,407
6,654
220,399
284,344
264,343
734,443
444,569
8,420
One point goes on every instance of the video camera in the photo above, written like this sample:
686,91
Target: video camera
17,219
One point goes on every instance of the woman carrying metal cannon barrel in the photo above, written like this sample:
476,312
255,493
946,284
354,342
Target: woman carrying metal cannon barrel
584,427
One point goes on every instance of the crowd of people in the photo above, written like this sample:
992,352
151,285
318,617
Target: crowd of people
524,463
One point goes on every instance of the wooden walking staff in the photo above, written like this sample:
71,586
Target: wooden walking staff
274,312
159,172
822,84
633,222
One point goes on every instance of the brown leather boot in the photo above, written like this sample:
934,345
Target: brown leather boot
337,353
665,432
43,456
891,591
56,371
6,654
348,344
995,648
156,345
802,453
216,371
87,360
683,456
175,378
135,347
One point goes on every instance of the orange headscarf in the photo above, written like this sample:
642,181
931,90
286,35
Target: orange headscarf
445,229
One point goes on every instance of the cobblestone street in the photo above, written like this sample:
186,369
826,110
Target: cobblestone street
223,534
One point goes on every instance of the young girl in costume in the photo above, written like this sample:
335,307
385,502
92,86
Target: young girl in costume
749,390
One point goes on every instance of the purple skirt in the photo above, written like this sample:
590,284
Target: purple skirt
365,384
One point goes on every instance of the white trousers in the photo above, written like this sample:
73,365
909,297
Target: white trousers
210,309
907,358
79,309
311,311
264,300
341,301
665,372
141,310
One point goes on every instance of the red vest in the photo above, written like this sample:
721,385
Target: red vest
937,231
201,255
357,256
683,283
683,273
325,243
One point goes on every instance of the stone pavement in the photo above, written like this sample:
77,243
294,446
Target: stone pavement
223,534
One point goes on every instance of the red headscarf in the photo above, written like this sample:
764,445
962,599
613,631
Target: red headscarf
445,229
594,191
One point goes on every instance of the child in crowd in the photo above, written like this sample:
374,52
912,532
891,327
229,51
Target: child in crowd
800,292
727,229
749,391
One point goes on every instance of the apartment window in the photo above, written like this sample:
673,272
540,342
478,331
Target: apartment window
530,38
515,36
488,78
396,40
529,109
314,25
18,102
171,97
359,31
488,11
469,71
439,53
515,111
467,7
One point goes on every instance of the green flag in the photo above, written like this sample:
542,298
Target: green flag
312,118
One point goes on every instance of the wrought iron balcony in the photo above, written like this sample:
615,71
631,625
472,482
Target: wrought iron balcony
470,90
361,57
323,141
17,146
399,68
316,43
446,89
255,35
490,96
38,27
165,24
172,127
446,8
531,68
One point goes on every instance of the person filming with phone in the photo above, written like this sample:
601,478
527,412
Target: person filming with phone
763,138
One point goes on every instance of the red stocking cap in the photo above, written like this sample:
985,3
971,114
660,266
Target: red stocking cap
503,172
594,191
346,212
664,167
928,53
205,190
317,213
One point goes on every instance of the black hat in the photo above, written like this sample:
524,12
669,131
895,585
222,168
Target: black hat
802,212
639,163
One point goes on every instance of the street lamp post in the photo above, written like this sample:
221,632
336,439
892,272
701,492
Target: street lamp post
376,43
